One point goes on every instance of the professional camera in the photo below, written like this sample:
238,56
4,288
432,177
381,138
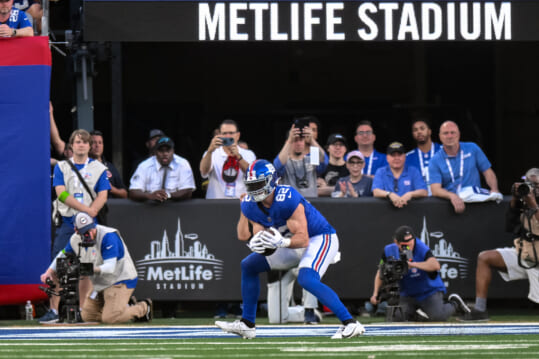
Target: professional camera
69,270
392,270
522,189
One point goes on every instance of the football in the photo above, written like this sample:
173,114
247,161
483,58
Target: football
269,251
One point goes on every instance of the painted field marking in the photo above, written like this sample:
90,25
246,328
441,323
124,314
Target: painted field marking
192,332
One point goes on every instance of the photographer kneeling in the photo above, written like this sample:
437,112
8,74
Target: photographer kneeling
513,263
114,274
413,280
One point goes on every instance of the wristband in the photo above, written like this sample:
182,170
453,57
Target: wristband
63,196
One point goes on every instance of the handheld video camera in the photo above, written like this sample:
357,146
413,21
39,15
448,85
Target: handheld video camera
69,270
392,270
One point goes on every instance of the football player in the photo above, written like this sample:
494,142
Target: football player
288,231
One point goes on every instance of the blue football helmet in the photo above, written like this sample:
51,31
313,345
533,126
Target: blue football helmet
260,180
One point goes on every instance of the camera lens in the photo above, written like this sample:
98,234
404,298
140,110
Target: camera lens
523,190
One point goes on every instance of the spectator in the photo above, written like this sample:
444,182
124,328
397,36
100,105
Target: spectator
523,220
425,150
32,8
153,137
458,165
397,182
163,176
365,138
356,184
293,164
421,287
114,274
74,198
336,168
13,22
117,187
224,163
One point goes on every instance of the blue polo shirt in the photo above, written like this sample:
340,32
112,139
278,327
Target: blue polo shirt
409,180
474,162
378,160
415,158
18,19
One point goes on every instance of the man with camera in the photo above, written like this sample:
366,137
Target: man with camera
225,163
520,261
413,270
114,274
295,165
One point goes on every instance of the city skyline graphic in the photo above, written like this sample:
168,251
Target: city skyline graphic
443,250
160,249
186,251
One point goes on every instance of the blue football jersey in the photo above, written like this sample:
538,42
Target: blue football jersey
285,201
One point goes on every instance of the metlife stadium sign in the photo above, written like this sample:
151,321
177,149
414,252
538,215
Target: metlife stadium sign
188,21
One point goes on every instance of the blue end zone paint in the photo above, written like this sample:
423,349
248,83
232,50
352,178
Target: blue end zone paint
193,332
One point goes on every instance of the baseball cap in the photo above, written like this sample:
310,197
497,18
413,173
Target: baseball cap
395,147
336,137
156,132
83,222
402,232
355,153
164,141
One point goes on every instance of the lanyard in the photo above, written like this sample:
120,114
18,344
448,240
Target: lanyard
420,155
369,169
461,168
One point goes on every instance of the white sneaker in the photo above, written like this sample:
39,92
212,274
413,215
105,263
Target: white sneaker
350,330
338,333
237,327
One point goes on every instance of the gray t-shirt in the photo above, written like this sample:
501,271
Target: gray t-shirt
363,187
301,175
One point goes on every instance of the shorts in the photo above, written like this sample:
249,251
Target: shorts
318,255
516,272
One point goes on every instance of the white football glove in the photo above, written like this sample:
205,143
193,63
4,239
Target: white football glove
256,244
271,238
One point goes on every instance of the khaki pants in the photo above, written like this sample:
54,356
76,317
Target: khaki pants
110,306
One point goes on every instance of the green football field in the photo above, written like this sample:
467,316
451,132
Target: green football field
476,346
381,340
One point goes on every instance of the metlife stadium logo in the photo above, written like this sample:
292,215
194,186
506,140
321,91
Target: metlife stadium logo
187,266
452,265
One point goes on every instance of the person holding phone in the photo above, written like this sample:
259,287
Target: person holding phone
224,163
296,166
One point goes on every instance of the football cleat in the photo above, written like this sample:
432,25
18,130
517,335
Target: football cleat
237,327
349,331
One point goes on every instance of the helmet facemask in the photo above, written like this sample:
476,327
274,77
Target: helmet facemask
259,188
